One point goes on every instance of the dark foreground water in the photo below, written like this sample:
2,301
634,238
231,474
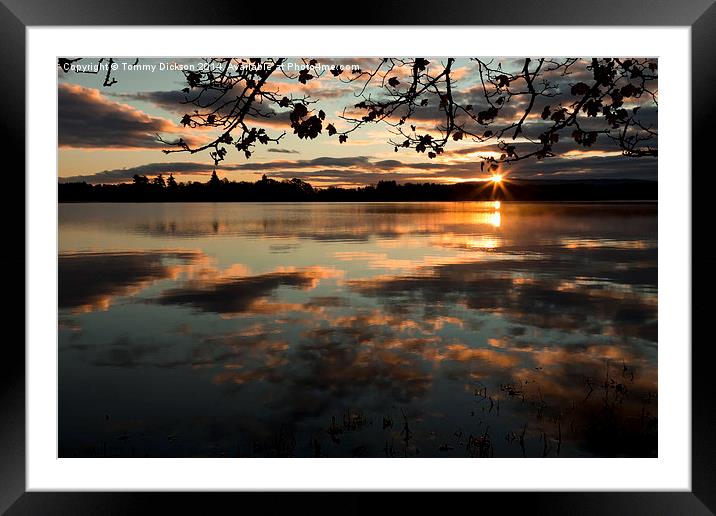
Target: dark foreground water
386,329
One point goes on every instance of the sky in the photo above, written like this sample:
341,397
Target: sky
108,133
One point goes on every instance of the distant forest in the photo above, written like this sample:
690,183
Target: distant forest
159,189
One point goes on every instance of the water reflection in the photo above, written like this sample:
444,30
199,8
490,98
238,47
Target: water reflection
387,329
90,280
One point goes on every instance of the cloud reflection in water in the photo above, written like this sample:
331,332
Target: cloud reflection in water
529,333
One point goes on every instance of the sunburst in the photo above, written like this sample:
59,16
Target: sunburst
499,185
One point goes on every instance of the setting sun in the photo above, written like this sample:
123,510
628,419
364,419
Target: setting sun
497,178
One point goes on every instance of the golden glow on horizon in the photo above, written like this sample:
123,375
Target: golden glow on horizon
496,178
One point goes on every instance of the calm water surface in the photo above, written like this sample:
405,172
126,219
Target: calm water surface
377,329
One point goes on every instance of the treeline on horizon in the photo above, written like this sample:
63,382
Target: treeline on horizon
159,189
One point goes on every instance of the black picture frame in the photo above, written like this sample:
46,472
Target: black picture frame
700,15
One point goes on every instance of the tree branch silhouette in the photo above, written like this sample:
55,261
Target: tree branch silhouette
518,110
65,64
234,96
589,109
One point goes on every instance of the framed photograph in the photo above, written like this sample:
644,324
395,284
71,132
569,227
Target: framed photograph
450,252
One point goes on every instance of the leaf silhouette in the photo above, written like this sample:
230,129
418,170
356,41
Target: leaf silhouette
309,128
580,89
421,64
558,115
618,88
304,76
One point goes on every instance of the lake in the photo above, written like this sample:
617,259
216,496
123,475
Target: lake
472,329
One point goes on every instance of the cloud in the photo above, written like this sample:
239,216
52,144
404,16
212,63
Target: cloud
330,176
282,151
378,361
323,161
593,167
87,119
122,175
174,101
179,103
550,292
361,170
113,274
125,174
234,295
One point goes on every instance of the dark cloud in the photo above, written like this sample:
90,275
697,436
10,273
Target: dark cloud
282,151
323,161
596,167
362,171
593,167
345,176
234,295
123,175
388,163
539,303
89,281
179,103
126,174
174,101
87,119
561,287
